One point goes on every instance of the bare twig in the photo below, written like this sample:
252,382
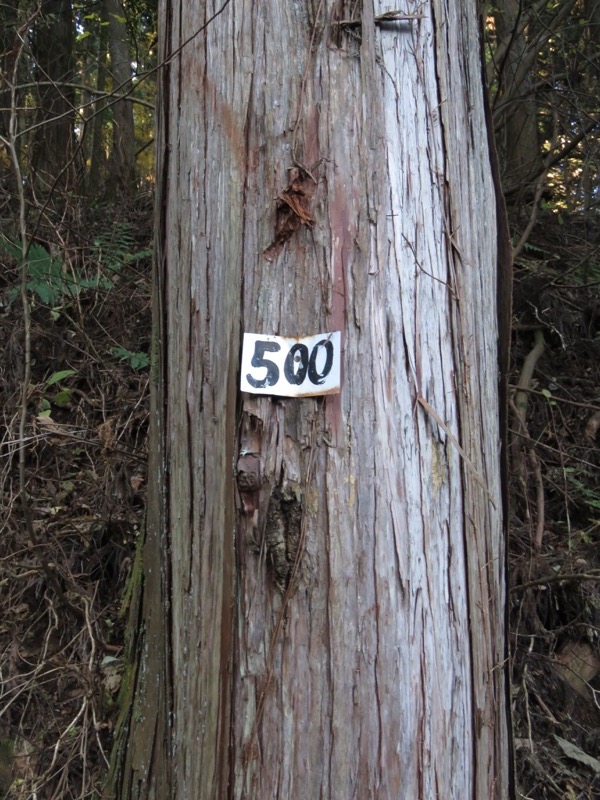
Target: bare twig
519,404
539,189
433,413
540,501
568,577
529,364
554,398
97,94
389,16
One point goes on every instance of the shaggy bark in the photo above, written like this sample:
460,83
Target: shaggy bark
373,667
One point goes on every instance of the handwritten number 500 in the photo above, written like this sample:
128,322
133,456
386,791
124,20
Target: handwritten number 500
298,364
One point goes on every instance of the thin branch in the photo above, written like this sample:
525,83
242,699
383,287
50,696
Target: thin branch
581,462
504,46
569,576
533,47
389,16
539,190
539,499
539,42
433,413
519,405
552,397
558,280
527,371
95,93
553,159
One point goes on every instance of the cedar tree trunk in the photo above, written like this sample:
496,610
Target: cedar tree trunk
323,169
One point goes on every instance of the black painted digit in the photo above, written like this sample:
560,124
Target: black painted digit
319,377
297,357
272,376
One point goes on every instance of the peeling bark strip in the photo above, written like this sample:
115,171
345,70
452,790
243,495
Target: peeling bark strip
381,677
293,210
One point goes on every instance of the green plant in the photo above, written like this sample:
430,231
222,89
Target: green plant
588,496
137,361
61,397
116,249
52,283
47,277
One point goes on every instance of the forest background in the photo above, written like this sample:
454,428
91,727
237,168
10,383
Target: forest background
77,93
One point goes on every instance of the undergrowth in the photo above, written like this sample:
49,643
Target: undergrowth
555,523
67,542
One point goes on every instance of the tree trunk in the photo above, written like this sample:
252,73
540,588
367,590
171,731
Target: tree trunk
97,157
10,71
121,163
54,144
515,101
323,169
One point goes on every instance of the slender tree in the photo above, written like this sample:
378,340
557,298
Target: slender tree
321,609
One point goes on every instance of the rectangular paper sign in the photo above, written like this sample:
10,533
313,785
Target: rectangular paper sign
291,367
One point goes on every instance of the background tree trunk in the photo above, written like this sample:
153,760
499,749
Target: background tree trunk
97,158
54,144
516,96
8,59
382,675
121,164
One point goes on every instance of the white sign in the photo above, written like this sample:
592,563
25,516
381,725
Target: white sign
291,367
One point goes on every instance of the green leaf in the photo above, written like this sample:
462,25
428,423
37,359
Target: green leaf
62,399
139,361
60,376
44,292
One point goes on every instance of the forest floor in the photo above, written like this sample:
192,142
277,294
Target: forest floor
555,510
73,468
